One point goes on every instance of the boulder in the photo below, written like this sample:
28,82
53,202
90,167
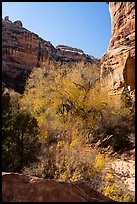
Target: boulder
23,188
18,23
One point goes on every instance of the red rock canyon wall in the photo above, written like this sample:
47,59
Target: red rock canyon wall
118,63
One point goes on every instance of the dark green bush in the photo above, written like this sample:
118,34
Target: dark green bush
20,143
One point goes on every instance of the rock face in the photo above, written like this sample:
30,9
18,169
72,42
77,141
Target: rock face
22,50
68,48
118,63
21,188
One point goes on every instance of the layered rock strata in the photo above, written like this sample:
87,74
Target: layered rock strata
22,188
118,63
22,50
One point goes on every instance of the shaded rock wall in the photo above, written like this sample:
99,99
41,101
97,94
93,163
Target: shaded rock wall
118,63
22,50
22,188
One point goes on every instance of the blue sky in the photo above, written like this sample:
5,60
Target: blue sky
83,25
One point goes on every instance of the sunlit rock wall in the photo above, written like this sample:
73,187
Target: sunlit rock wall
118,63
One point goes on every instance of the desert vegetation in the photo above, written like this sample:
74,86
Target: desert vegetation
59,126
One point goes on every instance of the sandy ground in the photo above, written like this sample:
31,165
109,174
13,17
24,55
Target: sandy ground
125,170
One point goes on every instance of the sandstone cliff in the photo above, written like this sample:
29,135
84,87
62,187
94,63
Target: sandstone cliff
22,50
118,63
22,188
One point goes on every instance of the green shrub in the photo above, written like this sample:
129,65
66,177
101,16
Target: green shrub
20,143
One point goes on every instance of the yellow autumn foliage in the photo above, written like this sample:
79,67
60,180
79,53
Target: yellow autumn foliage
70,105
